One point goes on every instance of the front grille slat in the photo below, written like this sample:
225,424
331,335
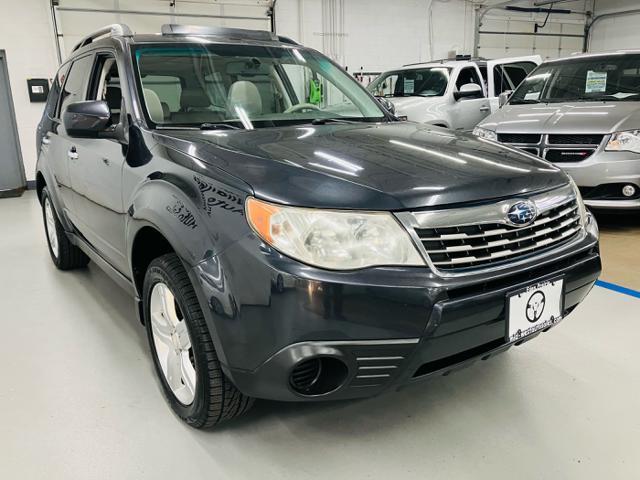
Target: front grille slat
500,231
555,147
529,138
505,253
569,139
482,244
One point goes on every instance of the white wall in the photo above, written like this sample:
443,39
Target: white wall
378,34
76,24
495,46
617,32
26,35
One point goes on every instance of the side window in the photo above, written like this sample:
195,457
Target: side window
316,90
105,85
387,87
54,92
510,75
73,90
468,75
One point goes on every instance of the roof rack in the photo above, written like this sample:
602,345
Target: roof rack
234,33
457,58
114,30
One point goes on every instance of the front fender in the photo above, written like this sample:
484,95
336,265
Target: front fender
188,210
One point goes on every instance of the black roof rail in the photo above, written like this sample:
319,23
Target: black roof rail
234,33
114,30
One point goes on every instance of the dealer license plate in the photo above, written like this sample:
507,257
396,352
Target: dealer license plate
534,308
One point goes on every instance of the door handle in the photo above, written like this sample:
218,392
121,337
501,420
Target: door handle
45,141
72,153
484,109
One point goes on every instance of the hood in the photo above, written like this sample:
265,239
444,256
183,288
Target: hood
420,108
390,166
579,117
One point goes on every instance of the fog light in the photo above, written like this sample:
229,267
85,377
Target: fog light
628,190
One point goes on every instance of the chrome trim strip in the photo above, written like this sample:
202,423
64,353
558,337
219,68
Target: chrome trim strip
499,243
507,253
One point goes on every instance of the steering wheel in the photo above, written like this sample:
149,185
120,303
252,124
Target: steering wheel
301,106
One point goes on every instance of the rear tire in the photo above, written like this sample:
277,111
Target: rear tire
65,255
181,346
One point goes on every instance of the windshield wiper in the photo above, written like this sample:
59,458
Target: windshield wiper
322,121
218,126
523,101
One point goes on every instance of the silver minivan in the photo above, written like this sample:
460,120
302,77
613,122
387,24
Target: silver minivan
581,113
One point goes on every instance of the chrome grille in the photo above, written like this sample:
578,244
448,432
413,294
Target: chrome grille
555,147
468,238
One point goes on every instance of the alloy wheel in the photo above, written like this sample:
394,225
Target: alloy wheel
172,343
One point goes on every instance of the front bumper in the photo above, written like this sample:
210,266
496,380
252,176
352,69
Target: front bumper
388,326
605,168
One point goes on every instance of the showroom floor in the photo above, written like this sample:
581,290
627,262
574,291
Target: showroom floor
79,398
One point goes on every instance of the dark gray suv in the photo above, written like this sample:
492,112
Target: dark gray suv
283,235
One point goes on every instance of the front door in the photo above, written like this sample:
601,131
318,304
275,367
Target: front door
468,111
56,143
12,179
96,172
506,74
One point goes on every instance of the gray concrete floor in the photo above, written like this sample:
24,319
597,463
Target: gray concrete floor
78,398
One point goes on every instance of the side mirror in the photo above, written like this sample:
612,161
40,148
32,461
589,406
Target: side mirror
387,105
89,119
468,90
503,98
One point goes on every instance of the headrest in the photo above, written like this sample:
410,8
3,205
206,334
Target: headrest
113,97
245,95
154,107
194,98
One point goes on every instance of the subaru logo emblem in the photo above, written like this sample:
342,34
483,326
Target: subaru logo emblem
522,213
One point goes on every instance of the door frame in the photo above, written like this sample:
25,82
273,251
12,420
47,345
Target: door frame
4,72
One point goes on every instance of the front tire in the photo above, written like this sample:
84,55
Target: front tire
65,255
183,353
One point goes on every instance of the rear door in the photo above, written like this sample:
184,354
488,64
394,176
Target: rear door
506,74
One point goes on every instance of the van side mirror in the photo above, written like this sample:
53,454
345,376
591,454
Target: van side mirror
503,98
468,90
88,119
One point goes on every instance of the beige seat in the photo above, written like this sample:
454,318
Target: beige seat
154,105
243,95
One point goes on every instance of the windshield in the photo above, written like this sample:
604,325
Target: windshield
602,78
246,86
421,82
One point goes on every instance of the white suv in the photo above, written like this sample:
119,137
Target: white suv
453,93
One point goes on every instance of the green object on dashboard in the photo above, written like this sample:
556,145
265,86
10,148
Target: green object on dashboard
315,92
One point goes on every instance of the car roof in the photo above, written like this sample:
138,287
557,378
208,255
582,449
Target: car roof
582,56
173,33
444,63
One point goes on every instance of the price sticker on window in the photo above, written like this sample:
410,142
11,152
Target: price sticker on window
596,82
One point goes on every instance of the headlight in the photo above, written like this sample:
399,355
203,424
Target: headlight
581,208
624,142
333,239
484,133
